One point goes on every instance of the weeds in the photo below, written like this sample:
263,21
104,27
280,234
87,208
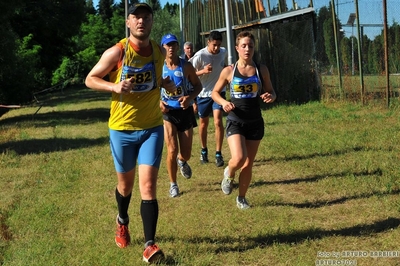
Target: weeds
325,180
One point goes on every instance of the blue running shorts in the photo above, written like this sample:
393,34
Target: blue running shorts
206,105
143,146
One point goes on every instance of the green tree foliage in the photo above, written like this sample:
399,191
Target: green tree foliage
323,14
394,45
97,35
20,69
164,23
18,84
117,28
365,43
172,9
329,41
53,24
68,69
155,4
56,41
31,60
8,55
376,51
105,9
89,7
372,51
345,49
121,6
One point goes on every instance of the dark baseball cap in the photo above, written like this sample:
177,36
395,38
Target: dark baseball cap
132,9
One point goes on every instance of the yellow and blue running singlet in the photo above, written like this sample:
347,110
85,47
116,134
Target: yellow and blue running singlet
137,110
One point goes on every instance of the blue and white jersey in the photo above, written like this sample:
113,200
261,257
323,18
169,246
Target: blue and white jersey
245,87
245,93
183,86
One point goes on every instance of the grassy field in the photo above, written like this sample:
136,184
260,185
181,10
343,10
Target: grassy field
326,181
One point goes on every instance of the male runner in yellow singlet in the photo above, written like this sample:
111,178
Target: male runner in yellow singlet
134,66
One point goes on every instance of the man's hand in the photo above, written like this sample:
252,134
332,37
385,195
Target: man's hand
207,69
163,107
123,87
168,85
184,100
195,110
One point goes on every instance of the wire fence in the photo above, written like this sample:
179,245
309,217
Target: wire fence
274,31
368,57
312,52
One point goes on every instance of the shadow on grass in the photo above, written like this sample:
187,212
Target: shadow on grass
71,95
319,204
81,117
75,96
259,162
5,232
376,172
24,147
229,244
215,186
364,230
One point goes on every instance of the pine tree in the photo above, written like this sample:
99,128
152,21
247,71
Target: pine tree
105,9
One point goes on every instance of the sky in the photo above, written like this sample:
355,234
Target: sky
371,12
162,2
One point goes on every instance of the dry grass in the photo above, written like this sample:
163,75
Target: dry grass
326,179
374,88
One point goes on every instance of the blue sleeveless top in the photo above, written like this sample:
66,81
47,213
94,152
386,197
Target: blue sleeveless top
244,93
183,86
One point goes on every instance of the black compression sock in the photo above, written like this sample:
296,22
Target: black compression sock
149,213
123,205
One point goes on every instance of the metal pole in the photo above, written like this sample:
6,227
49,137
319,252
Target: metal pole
360,60
337,47
352,49
229,32
181,25
385,29
126,15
